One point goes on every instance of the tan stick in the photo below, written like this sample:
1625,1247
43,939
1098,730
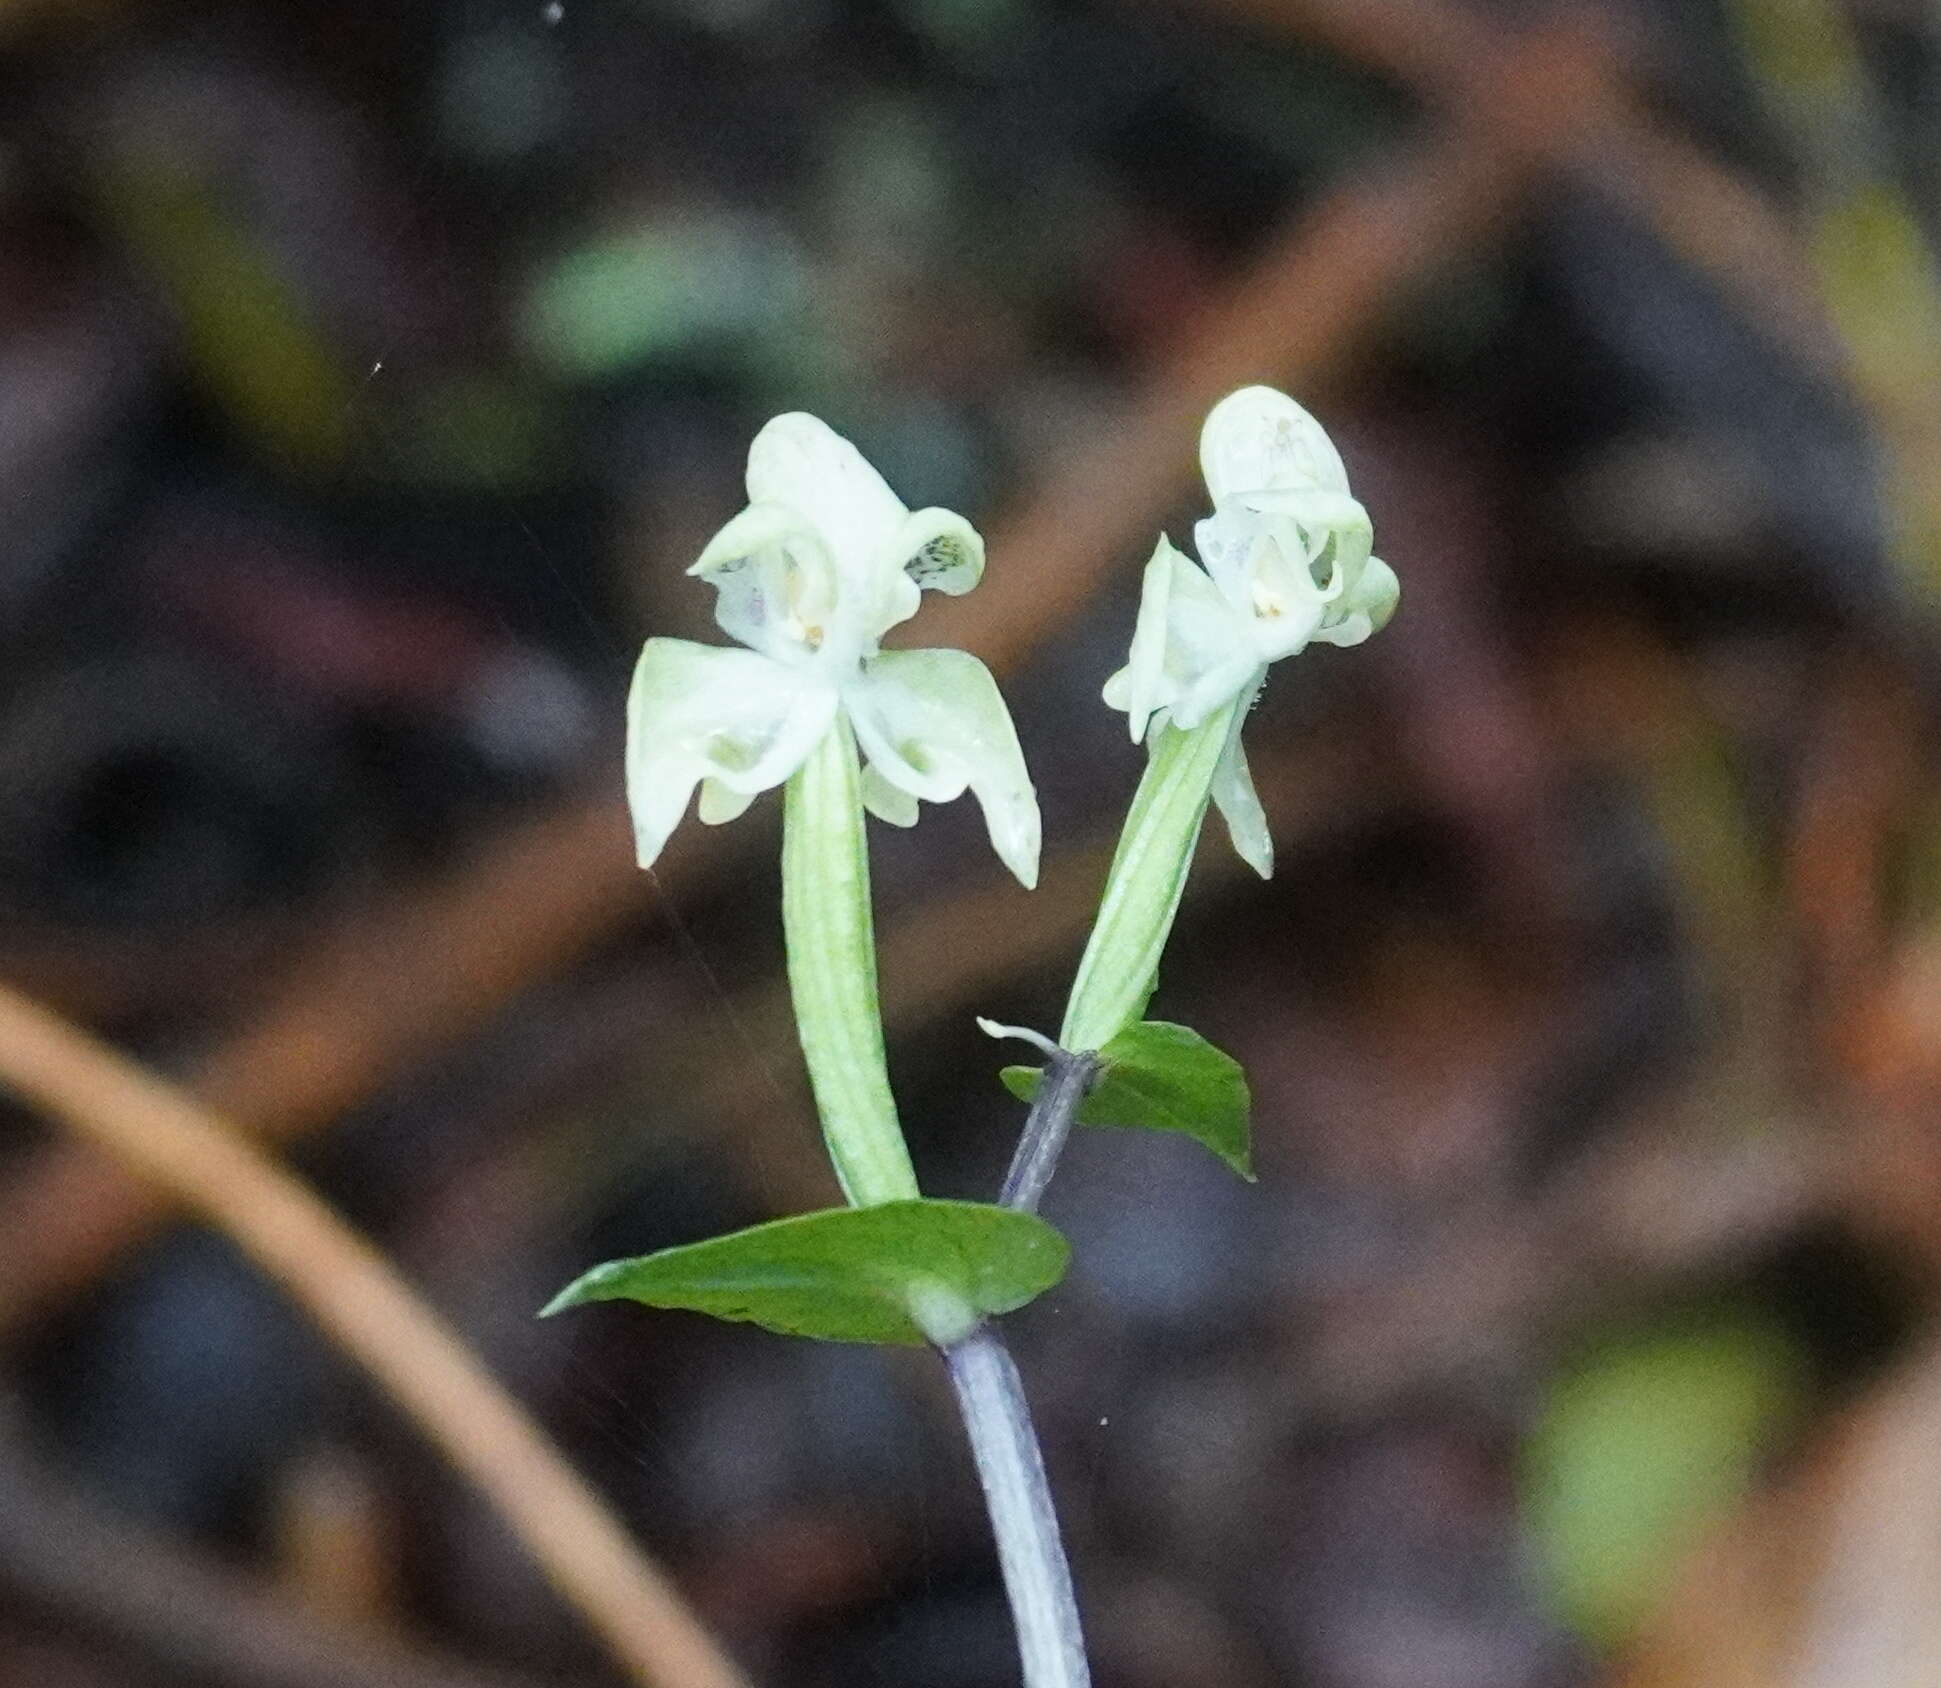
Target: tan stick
367,996
1462,61
355,1296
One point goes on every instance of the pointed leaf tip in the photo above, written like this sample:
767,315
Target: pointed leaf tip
1162,1077
1023,1082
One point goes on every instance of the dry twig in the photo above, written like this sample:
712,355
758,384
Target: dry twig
353,1294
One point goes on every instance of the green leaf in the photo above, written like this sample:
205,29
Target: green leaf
659,291
901,1272
1645,1441
1162,1077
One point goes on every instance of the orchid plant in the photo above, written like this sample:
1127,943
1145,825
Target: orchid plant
822,563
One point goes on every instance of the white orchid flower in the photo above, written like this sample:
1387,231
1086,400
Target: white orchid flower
1288,563
825,560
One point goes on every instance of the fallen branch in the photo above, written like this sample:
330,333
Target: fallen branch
193,1158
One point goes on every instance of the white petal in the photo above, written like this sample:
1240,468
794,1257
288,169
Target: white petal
1225,543
1258,440
719,805
932,723
931,549
1315,507
802,462
696,711
1239,804
777,582
1325,533
1238,667
1191,650
1140,688
1210,647
1365,606
1376,592
888,802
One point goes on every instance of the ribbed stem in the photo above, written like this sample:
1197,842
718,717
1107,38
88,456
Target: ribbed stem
1030,1553
1067,1078
832,972
1142,891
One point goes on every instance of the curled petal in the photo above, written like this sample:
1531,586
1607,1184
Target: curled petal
932,550
1365,607
1376,593
933,723
1265,568
776,580
940,551
801,462
1258,440
1335,532
1314,506
719,805
731,717
887,802
1239,804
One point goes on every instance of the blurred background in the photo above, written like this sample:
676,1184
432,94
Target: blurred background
368,377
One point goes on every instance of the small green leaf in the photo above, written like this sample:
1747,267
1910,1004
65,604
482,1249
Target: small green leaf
1162,1077
1646,1440
902,1272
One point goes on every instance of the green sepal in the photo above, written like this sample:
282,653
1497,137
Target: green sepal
903,1272
1162,1077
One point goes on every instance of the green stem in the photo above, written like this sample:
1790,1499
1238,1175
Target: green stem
832,972
1121,962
